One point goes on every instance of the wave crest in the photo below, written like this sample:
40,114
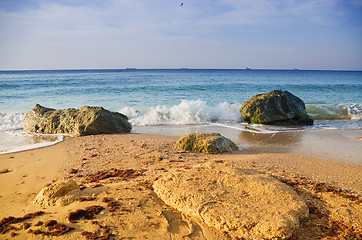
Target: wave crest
187,112
11,121
350,111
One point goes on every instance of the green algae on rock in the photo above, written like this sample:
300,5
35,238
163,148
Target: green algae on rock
77,122
275,108
206,143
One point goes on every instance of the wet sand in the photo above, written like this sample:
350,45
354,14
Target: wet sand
317,165
330,144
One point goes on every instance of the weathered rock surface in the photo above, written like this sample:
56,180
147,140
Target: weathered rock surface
206,143
77,122
243,203
276,107
57,194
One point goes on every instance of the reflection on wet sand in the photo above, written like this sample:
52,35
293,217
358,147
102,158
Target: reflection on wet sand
337,145
282,138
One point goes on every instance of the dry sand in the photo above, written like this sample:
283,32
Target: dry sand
132,210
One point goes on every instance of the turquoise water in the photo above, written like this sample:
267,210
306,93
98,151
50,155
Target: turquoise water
181,97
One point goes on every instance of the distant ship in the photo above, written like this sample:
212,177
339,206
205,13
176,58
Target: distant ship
248,68
131,68
296,69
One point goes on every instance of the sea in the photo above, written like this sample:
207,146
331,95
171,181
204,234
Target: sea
175,101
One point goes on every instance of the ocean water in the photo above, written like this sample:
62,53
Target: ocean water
175,101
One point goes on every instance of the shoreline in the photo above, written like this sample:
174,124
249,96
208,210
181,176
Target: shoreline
77,157
339,145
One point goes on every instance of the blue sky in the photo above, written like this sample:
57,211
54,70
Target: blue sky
278,34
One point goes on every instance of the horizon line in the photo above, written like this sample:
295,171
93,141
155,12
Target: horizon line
181,68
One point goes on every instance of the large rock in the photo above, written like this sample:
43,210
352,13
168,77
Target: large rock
205,143
77,122
57,194
242,203
276,107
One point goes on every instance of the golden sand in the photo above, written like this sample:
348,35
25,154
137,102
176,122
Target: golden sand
331,189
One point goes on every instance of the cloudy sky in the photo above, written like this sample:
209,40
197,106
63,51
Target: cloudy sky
273,34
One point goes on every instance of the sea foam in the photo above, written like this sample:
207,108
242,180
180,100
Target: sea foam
355,111
11,121
13,139
187,112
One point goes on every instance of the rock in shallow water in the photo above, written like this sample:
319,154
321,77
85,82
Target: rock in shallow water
276,107
206,143
243,203
77,122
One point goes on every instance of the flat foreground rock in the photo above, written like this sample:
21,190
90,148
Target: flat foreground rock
242,203
206,143
77,122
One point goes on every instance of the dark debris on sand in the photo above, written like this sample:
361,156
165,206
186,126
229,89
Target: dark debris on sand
103,233
87,213
83,199
54,229
318,187
5,223
111,204
326,228
120,174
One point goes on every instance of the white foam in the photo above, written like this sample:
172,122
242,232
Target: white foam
11,121
16,141
355,111
12,139
187,112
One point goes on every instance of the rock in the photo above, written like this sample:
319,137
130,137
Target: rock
242,203
77,122
206,143
5,170
276,107
57,194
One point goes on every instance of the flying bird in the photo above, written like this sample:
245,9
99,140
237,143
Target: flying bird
182,4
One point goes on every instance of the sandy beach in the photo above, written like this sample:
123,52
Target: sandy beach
330,185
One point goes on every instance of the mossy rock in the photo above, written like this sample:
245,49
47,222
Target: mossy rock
206,143
275,108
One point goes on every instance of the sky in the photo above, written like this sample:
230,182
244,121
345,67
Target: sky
97,34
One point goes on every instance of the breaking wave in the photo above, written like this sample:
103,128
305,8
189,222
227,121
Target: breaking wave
187,112
11,121
350,111
13,139
200,112
335,116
